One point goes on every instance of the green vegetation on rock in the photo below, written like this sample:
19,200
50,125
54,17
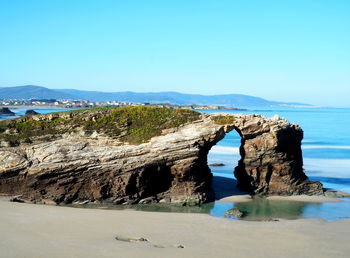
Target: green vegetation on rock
223,119
129,124
140,123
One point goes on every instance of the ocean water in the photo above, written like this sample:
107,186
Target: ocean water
21,111
326,152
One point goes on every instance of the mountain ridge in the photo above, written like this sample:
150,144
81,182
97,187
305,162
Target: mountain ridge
171,97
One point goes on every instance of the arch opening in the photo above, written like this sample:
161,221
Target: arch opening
222,160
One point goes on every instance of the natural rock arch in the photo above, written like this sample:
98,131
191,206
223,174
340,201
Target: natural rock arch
170,167
271,157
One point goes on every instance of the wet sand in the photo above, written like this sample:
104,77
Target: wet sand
29,230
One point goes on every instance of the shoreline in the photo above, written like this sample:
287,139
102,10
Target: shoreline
29,230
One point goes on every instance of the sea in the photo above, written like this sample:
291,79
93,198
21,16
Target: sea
326,153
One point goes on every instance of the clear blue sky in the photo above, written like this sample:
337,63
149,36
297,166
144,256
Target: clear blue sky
297,50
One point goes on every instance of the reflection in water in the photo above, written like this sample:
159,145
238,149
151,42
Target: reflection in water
154,207
262,209
257,209
175,208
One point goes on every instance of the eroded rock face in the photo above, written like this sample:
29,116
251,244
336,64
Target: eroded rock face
171,167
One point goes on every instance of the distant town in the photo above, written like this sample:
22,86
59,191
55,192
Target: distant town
53,103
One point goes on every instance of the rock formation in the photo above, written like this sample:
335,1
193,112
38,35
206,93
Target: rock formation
235,212
31,112
6,111
119,157
271,157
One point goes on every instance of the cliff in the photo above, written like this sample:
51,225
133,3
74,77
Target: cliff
140,154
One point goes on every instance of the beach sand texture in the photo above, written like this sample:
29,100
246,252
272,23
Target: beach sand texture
29,230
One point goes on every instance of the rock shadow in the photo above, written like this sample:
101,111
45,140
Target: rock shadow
224,187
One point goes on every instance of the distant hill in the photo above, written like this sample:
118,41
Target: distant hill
32,92
234,100
172,97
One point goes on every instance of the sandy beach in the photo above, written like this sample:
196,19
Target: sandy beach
29,230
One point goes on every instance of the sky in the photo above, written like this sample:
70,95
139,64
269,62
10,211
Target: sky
290,50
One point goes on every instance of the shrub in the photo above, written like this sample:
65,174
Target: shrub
223,119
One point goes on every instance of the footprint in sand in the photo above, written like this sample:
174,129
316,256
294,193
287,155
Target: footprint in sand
142,239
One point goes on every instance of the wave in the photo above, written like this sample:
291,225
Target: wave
316,146
224,150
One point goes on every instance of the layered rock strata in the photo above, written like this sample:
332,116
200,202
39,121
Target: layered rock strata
169,167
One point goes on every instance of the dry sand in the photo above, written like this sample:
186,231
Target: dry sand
28,230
